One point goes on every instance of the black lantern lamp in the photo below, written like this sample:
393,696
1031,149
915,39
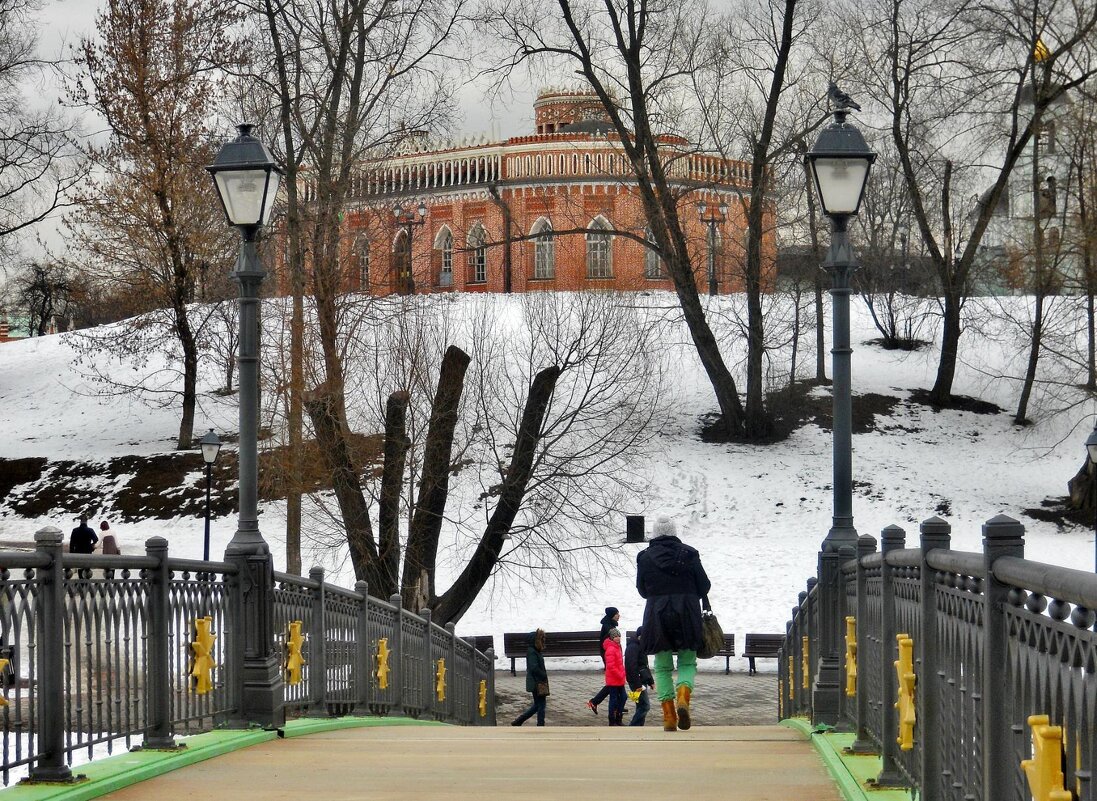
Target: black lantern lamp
211,446
247,181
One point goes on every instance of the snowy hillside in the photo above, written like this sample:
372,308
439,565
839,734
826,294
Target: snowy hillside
756,513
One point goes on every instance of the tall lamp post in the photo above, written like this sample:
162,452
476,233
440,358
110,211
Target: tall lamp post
717,217
1091,448
247,178
211,446
839,163
410,222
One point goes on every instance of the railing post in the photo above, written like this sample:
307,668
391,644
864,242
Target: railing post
826,684
803,704
51,766
490,654
363,655
318,659
892,538
862,744
935,534
451,674
845,703
428,661
158,733
1002,536
810,624
396,656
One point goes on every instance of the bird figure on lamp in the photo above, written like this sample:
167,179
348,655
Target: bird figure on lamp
840,100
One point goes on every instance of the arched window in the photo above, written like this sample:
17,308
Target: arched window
443,244
401,261
653,262
599,248
478,254
363,264
544,250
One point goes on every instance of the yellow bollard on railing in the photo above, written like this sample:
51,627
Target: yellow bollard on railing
381,659
3,667
791,677
904,668
202,647
294,660
1044,771
806,666
440,680
851,657
483,700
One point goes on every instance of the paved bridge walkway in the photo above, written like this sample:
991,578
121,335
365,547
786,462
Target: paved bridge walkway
449,763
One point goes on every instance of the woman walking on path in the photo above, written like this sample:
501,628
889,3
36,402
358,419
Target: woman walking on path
536,679
615,676
670,576
608,621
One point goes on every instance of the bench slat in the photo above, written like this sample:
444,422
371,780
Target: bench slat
762,646
582,643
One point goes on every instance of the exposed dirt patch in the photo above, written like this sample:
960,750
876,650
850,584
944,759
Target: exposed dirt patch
161,486
960,403
1058,511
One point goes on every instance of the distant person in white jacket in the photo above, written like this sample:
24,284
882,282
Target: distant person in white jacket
109,543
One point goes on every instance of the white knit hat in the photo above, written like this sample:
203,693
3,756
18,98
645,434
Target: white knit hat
664,526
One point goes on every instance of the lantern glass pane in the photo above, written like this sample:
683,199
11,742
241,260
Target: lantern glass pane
273,179
841,182
242,193
209,452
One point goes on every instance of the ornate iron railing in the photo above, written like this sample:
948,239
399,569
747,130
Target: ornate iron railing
962,661
106,652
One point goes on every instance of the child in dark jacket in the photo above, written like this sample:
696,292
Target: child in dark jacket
615,676
639,678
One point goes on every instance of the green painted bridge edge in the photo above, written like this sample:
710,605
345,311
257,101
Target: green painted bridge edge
851,772
115,772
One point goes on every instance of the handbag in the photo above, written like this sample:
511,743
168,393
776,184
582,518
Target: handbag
712,635
542,689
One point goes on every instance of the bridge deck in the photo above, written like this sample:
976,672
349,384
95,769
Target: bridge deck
447,763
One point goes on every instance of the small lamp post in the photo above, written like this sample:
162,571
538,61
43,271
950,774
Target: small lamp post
211,446
839,163
717,217
409,221
247,178
1091,448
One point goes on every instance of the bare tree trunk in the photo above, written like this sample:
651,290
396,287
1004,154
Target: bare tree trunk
392,479
817,257
1039,286
421,551
323,411
459,597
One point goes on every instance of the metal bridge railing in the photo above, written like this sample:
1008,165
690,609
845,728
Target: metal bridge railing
965,666
106,652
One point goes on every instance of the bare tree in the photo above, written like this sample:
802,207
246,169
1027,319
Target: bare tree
153,219
642,61
43,290
350,82
38,165
965,85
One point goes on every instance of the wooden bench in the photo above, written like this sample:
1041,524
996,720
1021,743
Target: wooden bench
762,646
582,643
481,642
557,643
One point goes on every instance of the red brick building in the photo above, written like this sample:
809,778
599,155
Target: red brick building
567,188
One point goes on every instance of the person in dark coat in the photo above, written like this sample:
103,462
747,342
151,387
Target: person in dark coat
608,622
639,678
669,575
82,539
535,674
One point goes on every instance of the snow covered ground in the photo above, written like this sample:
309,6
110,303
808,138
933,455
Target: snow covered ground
756,513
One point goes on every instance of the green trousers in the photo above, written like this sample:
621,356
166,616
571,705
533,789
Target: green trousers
663,669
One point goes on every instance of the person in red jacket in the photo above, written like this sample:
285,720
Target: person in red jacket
615,676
